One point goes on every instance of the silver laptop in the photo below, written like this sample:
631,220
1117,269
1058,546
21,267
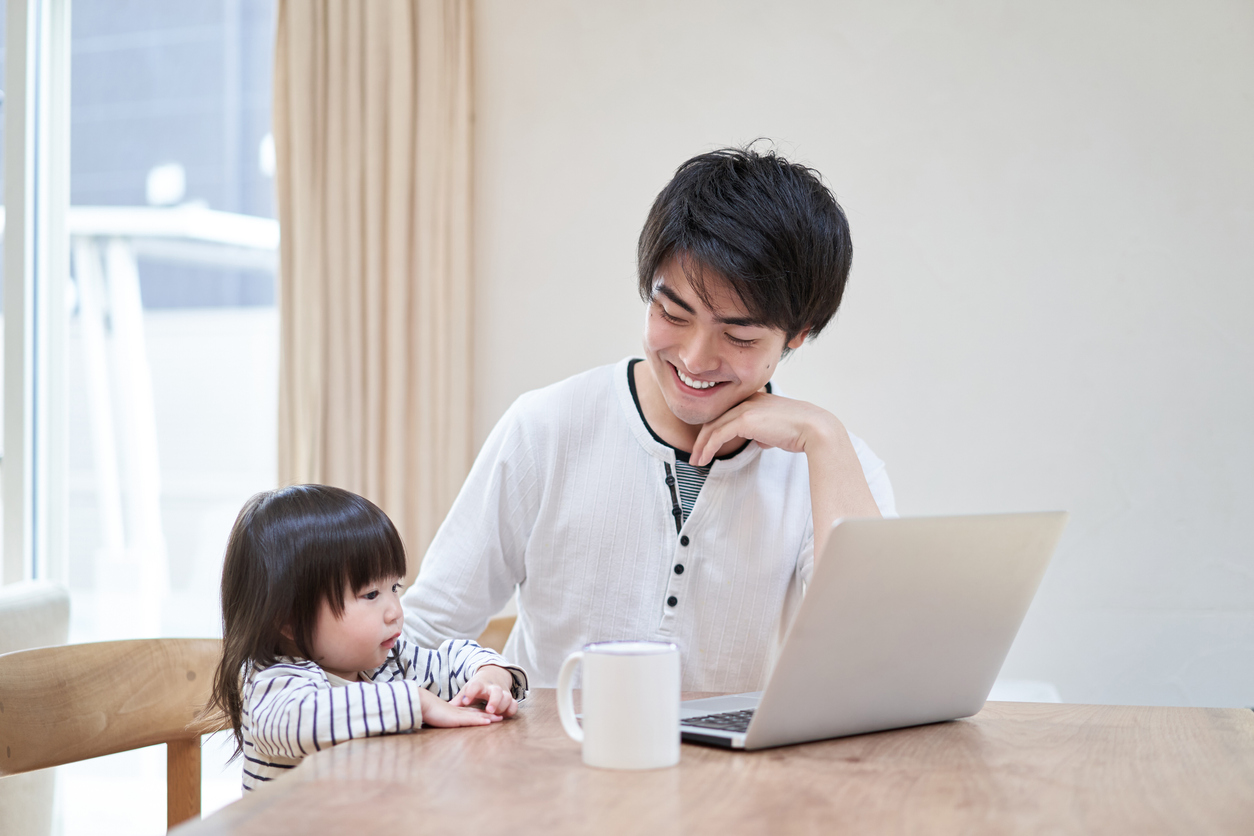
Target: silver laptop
905,622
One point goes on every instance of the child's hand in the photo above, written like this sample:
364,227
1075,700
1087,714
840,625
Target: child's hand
491,685
437,712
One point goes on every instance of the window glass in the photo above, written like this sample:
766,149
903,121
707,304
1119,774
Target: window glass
173,327
173,340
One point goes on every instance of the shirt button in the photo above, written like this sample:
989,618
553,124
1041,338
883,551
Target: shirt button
670,481
679,568
672,601
676,511
683,541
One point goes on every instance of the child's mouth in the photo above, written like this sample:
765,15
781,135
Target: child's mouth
390,643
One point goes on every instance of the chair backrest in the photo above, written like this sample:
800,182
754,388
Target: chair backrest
64,704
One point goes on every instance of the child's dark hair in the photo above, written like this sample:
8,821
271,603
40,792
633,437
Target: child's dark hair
290,550
766,225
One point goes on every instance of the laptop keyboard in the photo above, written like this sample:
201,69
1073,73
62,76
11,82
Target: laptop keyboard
731,721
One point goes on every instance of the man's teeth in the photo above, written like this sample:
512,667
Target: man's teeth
695,384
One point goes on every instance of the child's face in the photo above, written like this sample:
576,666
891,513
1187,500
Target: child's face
360,638
706,359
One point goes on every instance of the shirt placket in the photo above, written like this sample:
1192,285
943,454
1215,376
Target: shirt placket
673,596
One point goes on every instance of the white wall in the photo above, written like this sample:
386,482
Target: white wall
1053,215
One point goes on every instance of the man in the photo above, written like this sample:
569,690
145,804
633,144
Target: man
675,498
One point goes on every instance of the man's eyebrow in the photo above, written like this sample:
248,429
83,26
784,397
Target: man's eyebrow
742,321
674,297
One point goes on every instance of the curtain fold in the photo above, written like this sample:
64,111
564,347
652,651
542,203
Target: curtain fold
372,127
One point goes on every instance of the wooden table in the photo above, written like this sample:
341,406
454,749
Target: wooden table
1013,768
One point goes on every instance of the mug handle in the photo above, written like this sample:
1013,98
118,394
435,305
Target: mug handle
565,696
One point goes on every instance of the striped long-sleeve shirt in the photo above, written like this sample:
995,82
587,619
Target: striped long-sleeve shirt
294,708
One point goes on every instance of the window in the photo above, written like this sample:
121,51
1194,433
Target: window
162,317
173,330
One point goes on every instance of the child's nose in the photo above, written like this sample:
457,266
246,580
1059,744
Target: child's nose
394,610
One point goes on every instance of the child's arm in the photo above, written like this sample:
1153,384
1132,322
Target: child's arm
450,668
291,711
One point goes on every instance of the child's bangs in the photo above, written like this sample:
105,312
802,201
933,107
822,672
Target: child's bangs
335,543
375,558
369,550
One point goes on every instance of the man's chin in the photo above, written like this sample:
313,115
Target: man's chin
695,418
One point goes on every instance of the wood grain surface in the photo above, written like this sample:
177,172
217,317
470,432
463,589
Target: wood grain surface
71,702
1013,768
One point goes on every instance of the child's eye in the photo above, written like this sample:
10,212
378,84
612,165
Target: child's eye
396,587
371,595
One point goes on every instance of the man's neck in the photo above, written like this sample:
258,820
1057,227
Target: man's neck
662,421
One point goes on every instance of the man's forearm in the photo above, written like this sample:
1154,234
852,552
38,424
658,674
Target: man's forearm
838,487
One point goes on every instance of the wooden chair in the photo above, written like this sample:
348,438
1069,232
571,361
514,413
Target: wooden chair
64,704
497,632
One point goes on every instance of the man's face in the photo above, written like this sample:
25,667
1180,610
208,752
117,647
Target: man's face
706,359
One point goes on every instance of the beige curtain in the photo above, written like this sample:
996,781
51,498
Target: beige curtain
372,113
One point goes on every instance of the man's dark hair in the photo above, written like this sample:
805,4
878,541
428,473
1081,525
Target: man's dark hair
767,226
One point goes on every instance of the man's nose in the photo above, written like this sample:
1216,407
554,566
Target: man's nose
701,352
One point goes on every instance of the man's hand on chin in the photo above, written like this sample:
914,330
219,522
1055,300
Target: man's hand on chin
838,487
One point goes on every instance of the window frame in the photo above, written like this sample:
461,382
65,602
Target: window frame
36,261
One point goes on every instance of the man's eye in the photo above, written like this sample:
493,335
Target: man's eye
672,319
740,342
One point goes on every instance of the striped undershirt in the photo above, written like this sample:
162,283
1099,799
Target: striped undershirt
688,478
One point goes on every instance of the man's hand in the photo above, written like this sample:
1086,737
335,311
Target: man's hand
771,421
491,685
436,712
838,487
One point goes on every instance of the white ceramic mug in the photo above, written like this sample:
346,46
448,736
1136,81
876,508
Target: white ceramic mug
630,704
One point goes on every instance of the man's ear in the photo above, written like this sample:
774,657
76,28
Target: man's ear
796,341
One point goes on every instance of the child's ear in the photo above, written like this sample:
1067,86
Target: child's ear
287,641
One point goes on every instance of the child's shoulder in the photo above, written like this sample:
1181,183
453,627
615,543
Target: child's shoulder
285,667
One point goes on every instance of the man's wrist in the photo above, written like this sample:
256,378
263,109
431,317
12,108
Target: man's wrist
825,436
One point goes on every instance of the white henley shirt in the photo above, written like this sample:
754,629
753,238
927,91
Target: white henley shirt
567,503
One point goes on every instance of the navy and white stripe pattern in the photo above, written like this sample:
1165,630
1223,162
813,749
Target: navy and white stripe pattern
293,709
689,479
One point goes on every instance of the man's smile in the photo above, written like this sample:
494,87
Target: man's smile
692,383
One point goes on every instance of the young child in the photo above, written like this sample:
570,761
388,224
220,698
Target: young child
313,651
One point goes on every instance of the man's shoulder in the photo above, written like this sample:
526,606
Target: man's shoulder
569,400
